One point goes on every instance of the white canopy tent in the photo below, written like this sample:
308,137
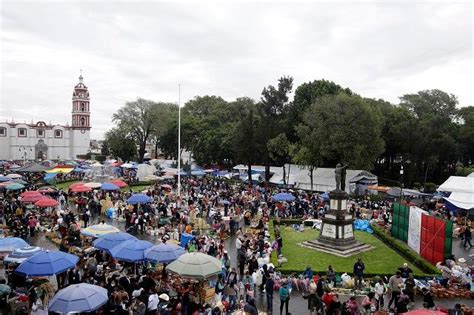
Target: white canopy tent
458,184
461,189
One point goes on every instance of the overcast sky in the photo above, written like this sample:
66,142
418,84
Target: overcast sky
131,49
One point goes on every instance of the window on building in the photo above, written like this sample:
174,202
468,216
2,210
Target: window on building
83,121
3,132
40,133
22,132
83,107
58,133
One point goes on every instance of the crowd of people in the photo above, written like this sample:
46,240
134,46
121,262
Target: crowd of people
212,212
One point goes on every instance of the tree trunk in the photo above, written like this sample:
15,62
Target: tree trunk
267,171
311,169
249,173
156,149
284,177
141,152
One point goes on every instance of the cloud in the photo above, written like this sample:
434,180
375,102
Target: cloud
131,49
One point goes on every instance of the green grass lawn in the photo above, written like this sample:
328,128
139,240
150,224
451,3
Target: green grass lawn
65,185
139,188
380,260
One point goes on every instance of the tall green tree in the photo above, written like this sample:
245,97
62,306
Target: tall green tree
344,128
118,144
273,108
466,134
138,120
279,151
211,119
245,144
305,95
434,131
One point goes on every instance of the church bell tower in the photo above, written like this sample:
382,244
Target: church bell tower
80,106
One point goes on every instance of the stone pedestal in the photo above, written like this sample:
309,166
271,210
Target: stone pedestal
337,234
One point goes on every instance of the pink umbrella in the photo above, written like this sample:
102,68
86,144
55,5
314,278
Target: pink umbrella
80,188
30,193
118,182
32,198
166,186
46,202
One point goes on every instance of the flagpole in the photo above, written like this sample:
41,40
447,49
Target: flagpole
179,141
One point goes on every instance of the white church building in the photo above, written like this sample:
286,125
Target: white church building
42,141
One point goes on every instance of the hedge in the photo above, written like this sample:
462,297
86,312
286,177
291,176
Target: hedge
142,183
405,251
293,221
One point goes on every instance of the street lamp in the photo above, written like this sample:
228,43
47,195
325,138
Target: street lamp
401,186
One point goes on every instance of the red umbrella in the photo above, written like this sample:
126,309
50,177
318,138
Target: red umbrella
46,190
76,184
424,312
30,193
118,182
32,198
46,202
80,188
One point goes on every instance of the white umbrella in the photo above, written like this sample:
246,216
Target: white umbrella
14,176
196,265
93,185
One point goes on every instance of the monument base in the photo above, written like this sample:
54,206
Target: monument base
340,250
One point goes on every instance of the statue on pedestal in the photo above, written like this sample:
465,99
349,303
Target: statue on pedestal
340,172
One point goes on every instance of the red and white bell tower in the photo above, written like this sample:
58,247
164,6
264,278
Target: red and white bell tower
80,106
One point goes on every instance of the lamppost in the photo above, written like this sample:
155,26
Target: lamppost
401,184
25,152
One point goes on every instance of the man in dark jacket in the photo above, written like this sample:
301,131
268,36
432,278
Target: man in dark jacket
359,273
269,290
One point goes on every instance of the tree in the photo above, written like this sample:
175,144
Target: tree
279,151
273,107
167,113
466,134
245,141
344,128
305,95
432,142
211,121
119,145
138,120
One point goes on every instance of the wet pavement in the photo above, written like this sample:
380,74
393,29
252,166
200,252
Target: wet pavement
297,304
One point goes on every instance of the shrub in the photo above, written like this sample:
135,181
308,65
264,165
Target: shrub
405,251
430,187
417,185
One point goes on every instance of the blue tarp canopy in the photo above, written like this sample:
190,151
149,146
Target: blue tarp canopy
50,178
363,225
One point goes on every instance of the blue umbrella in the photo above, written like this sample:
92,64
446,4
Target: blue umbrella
9,244
109,186
283,197
15,186
21,254
131,250
78,298
198,173
164,253
4,179
139,198
108,241
224,202
47,264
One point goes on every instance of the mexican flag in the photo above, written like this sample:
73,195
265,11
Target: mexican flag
429,236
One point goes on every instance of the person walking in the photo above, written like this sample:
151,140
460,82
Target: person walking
467,237
269,292
359,273
284,297
395,284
